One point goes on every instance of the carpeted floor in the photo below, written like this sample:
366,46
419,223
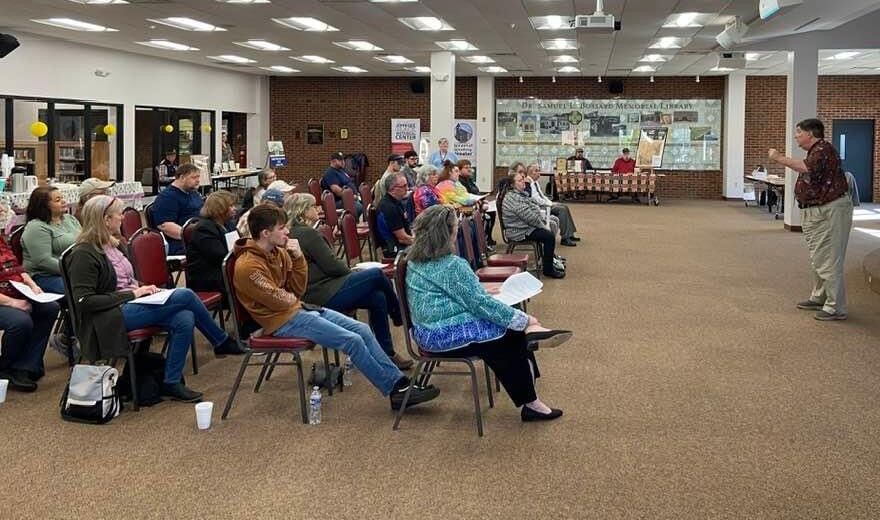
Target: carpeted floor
692,389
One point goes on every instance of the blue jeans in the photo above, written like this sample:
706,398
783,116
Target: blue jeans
370,290
54,284
178,316
25,336
331,329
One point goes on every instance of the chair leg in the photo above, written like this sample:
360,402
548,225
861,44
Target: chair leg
266,362
327,374
302,388
192,351
475,390
338,364
399,414
272,365
132,379
235,385
489,385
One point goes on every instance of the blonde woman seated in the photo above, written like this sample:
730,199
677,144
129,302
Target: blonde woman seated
453,316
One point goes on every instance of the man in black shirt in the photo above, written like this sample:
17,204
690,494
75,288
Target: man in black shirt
579,156
391,219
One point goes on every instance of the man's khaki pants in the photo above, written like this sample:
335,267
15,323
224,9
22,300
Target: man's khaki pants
826,230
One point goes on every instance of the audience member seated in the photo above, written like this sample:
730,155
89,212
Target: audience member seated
336,178
426,194
450,188
579,156
207,247
392,219
270,280
104,286
89,188
453,316
441,156
395,163
567,228
26,326
520,168
252,195
333,285
273,197
410,162
525,220
624,164
176,204
166,170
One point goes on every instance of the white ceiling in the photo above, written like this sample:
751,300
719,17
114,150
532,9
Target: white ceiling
498,28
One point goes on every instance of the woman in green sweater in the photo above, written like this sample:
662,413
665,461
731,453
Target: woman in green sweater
333,285
50,229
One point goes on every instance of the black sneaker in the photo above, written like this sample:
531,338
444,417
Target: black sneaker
418,395
19,381
179,392
568,242
556,273
230,347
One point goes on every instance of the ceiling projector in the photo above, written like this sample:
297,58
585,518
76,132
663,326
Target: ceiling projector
598,21
767,8
732,34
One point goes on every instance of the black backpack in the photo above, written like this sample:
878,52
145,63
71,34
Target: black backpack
149,373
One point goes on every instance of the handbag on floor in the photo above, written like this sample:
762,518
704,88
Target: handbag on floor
91,396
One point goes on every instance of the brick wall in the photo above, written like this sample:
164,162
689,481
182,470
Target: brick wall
365,106
680,184
765,121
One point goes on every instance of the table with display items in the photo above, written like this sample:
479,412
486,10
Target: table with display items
230,178
573,186
775,184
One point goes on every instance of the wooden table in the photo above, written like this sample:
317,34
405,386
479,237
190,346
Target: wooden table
777,185
229,177
576,186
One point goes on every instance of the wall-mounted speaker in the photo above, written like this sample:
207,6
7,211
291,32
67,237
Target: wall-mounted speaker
615,86
417,86
8,43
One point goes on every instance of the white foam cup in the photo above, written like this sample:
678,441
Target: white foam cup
203,414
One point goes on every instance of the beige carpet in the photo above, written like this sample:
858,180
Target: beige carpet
693,389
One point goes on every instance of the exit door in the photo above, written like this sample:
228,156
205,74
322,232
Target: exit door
854,140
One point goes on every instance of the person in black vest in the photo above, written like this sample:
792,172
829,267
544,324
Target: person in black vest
167,168
207,248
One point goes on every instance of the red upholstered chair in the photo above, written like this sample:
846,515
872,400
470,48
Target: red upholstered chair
271,346
131,222
426,365
351,244
366,194
520,260
362,228
325,232
375,241
187,231
315,188
485,274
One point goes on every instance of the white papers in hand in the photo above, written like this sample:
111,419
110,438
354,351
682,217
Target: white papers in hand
492,206
519,287
158,298
26,291
478,197
360,266
175,258
231,237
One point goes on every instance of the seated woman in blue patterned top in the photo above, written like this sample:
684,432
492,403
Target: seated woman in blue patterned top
453,316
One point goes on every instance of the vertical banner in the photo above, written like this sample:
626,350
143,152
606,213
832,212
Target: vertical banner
464,139
405,135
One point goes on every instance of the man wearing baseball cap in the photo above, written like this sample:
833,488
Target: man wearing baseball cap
579,156
92,187
624,164
395,163
336,178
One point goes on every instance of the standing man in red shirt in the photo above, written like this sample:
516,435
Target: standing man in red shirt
624,164
826,217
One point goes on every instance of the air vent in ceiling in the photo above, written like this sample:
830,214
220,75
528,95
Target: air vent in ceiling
811,22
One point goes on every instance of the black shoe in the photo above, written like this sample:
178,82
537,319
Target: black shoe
576,239
418,395
491,242
19,381
401,363
179,392
548,339
556,273
568,242
396,318
529,415
230,347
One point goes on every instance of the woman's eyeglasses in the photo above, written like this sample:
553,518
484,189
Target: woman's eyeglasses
112,202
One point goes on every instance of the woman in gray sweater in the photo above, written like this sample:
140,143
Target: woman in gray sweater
523,219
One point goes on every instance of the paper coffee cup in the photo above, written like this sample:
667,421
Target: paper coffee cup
4,385
203,414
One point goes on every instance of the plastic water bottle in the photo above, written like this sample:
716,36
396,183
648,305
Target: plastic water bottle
315,406
347,372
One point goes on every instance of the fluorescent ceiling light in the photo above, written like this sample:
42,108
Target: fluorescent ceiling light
393,59
187,24
456,45
245,2
262,45
754,56
565,58
644,68
232,58
654,58
305,24
721,69
681,20
358,45
559,44
311,58
426,23
494,69
478,59
568,68
280,68
551,22
167,45
392,1
349,68
74,25
846,55
668,42
419,69
99,2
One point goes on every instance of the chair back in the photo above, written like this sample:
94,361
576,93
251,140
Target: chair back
348,201
148,215
131,222
366,194
147,250
481,233
375,239
326,233
315,188
499,201
15,243
328,203
400,268
72,308
186,233
240,315
465,235
350,242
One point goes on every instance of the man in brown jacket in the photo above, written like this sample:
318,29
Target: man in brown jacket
271,274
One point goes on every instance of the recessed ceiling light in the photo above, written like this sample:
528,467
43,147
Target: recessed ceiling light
358,45
565,58
245,2
494,69
680,20
669,42
456,45
311,58
754,56
280,68
232,58
644,68
305,24
478,59
845,55
393,59
74,25
551,22
426,23
559,44
654,58
419,69
187,24
721,69
568,68
167,45
262,45
349,68
99,2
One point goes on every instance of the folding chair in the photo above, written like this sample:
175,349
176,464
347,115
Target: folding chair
351,245
520,260
131,222
426,365
315,188
362,229
186,234
366,194
485,274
